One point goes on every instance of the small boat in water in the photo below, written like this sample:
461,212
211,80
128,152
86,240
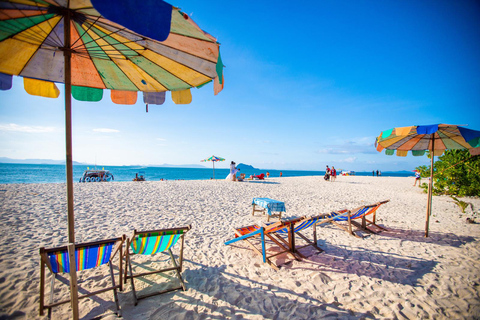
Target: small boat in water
96,176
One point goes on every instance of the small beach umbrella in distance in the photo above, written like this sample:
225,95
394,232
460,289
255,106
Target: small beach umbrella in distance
213,159
435,138
90,45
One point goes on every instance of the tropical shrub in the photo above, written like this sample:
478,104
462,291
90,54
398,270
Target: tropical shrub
456,172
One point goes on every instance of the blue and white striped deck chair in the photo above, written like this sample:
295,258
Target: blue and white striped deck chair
337,217
255,232
303,224
84,256
150,243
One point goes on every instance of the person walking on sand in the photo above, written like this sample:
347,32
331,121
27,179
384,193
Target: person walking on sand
281,174
417,178
333,174
327,173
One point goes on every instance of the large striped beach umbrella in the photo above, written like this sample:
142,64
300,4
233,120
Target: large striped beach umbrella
91,45
434,138
213,159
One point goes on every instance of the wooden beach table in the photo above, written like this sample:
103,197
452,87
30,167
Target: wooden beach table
269,206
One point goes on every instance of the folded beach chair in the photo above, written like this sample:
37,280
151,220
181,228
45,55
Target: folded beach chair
150,243
273,231
83,256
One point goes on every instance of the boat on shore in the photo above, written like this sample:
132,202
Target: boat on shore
96,176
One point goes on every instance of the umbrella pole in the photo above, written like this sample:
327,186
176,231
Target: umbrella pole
430,190
68,138
213,162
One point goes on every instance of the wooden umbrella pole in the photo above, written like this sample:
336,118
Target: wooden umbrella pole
430,188
68,127
68,134
213,162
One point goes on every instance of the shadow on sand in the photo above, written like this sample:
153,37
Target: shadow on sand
442,239
214,293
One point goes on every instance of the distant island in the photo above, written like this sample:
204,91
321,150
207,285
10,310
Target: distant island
242,166
76,163
36,161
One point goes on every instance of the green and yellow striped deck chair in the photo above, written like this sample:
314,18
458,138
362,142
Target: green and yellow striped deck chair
84,256
150,243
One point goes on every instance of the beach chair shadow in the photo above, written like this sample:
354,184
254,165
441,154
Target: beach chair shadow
247,294
83,256
395,268
150,243
439,238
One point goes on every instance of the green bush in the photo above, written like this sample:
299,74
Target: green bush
456,172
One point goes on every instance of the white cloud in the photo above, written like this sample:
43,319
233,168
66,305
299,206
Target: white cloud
363,145
349,160
106,130
161,139
12,127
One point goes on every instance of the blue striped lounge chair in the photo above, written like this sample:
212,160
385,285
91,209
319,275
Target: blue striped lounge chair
83,256
345,219
273,231
150,243
372,217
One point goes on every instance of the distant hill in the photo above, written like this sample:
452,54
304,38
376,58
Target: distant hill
62,162
243,166
36,161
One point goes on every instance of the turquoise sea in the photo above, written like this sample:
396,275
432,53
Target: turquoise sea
48,173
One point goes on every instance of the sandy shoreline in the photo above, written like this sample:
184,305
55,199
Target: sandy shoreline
395,274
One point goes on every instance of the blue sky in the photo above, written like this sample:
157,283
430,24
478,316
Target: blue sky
306,84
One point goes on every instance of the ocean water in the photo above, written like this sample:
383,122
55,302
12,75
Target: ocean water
47,173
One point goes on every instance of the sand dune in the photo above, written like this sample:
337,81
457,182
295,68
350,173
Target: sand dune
395,274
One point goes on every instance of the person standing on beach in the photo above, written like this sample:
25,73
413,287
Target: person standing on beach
417,178
373,173
233,172
281,174
333,174
327,173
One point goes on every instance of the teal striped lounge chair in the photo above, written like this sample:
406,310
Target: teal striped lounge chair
150,243
84,256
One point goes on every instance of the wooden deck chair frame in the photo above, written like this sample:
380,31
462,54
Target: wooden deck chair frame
354,214
74,296
269,231
176,266
294,230
366,222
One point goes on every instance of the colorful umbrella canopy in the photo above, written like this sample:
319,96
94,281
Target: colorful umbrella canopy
434,138
213,159
90,45
173,54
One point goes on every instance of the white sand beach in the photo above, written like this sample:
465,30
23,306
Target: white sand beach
396,274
